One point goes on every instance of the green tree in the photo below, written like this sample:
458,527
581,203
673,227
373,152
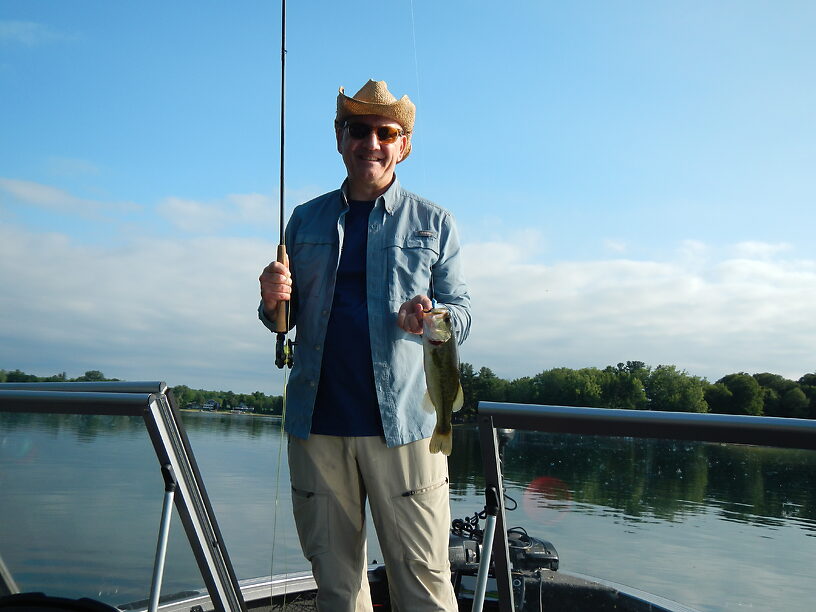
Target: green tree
746,395
795,404
20,376
719,398
676,391
91,376
774,388
182,395
490,387
484,386
467,378
808,385
567,387
623,386
521,391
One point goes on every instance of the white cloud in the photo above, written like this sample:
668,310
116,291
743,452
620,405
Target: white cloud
29,33
58,200
191,216
616,246
713,319
71,166
197,217
183,309
248,209
759,250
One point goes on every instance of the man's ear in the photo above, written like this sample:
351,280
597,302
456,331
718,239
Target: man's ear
338,132
403,147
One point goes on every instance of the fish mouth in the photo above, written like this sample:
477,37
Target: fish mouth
436,311
436,342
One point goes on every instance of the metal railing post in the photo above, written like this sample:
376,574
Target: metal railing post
493,479
164,534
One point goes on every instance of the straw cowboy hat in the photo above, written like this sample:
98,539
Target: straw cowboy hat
375,99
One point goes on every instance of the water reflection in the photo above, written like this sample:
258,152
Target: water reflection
651,478
80,506
713,526
657,515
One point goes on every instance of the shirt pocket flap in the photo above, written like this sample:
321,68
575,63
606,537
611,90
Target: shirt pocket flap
423,239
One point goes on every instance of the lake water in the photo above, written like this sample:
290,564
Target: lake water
716,527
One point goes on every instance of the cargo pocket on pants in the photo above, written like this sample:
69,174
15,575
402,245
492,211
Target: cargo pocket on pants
311,512
423,518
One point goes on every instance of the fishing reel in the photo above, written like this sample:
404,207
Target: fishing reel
284,352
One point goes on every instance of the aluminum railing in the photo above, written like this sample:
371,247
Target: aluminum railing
155,404
762,431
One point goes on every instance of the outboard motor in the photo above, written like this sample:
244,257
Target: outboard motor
463,553
529,553
526,552
529,556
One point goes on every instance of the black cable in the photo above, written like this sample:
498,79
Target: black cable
468,527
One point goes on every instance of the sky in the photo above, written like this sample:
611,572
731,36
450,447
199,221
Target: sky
631,180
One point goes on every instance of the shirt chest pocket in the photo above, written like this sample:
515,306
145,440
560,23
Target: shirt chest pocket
312,257
408,261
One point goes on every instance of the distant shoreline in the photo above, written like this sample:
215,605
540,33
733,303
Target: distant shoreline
231,413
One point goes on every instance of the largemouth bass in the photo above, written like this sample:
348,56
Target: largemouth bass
441,359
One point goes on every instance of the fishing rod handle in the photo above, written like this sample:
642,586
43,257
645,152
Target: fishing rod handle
280,315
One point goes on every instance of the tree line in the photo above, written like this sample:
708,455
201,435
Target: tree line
20,376
259,402
632,385
185,396
636,386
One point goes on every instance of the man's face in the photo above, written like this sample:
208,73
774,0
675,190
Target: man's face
369,161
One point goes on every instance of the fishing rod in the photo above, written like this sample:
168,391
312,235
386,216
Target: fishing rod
284,348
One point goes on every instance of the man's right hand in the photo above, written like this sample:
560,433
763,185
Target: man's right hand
276,286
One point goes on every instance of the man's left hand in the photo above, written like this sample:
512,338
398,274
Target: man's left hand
410,314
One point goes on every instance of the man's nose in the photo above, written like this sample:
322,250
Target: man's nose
371,141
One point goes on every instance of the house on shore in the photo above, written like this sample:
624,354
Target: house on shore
210,404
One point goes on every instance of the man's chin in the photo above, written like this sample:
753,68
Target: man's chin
373,177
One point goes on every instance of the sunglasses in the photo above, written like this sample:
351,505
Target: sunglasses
386,134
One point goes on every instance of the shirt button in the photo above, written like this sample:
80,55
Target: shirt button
325,313
317,347
311,383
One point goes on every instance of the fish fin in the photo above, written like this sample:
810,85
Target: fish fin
427,404
459,401
441,443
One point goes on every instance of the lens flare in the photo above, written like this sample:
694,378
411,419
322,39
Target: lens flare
546,500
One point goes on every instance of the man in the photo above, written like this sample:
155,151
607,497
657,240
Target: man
365,261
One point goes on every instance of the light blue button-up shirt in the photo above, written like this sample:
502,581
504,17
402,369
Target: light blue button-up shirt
413,249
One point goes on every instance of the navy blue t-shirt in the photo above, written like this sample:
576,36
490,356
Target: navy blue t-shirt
346,403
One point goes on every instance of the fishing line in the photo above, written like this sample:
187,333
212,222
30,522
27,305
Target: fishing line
419,94
281,441
416,59
419,103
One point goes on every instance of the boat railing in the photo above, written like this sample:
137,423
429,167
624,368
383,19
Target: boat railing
154,402
726,428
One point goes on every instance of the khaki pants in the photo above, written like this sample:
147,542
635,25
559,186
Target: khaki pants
407,489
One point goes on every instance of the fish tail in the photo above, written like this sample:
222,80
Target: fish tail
441,442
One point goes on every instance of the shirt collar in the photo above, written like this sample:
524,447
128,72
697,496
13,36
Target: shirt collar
388,199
